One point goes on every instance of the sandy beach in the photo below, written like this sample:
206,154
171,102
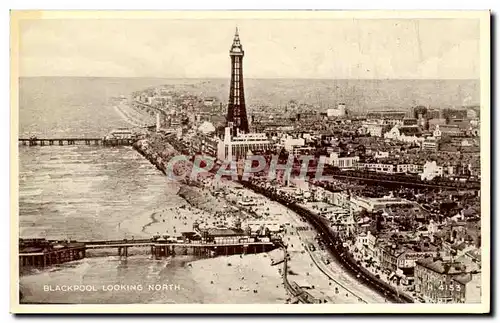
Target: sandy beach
239,279
194,204
235,275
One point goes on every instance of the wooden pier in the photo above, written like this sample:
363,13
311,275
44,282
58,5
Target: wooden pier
76,141
166,249
46,256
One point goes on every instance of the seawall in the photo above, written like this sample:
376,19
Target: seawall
142,148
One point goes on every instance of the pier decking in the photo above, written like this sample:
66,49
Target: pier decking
76,141
43,255
47,255
163,249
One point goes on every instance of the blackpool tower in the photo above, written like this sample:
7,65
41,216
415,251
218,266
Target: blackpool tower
236,111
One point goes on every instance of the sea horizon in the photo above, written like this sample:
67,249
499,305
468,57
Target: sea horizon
251,78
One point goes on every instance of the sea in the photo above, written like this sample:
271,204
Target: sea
88,192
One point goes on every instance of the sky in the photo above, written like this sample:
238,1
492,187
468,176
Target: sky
325,49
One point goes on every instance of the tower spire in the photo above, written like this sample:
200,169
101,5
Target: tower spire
236,46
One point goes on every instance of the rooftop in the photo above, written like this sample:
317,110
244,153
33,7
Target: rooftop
217,232
464,279
410,130
442,267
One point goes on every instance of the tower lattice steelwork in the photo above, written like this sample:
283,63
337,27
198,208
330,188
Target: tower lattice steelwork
236,110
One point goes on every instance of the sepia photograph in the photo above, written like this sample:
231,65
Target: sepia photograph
250,161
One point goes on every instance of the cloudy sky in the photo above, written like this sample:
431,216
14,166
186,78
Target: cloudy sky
335,48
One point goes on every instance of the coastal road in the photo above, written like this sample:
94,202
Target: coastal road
321,266
335,248
333,284
306,240
332,279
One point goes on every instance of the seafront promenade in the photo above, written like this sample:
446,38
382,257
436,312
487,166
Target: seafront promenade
160,160
334,244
